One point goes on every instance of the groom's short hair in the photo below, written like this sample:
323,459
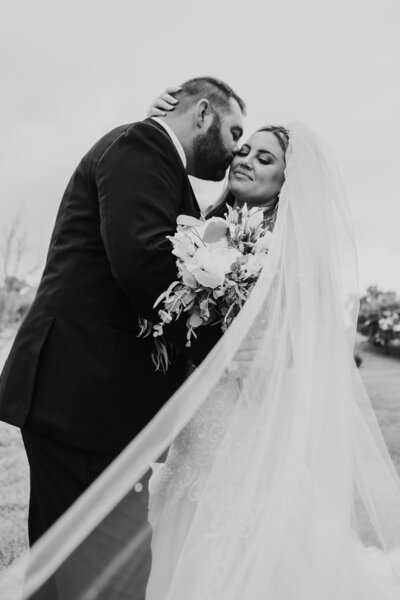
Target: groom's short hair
216,91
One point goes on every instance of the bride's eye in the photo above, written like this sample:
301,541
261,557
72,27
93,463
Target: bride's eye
265,159
242,152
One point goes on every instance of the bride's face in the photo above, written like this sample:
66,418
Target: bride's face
257,170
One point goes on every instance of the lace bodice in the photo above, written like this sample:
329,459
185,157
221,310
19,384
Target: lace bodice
193,451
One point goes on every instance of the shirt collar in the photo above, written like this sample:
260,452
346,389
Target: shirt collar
174,139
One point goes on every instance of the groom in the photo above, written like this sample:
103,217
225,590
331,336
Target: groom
78,381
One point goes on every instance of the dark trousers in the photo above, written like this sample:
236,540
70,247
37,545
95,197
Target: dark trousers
108,565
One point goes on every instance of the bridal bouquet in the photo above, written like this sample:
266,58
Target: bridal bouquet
219,261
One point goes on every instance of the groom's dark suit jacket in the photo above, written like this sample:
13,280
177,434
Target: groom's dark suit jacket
77,371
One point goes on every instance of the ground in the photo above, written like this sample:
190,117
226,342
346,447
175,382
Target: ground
381,375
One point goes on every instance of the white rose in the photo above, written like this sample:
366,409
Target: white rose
210,264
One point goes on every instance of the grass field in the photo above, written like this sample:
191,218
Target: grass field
380,373
14,490
381,376
14,484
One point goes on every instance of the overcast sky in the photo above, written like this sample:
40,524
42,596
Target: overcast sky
73,70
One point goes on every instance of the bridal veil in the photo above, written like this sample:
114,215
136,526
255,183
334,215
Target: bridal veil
294,495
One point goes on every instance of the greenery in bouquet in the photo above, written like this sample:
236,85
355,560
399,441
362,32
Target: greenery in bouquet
219,261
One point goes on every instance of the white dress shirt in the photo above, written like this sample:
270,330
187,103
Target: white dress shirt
174,139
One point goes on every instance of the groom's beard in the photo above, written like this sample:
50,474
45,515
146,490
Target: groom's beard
211,159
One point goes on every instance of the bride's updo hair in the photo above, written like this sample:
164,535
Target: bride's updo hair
281,134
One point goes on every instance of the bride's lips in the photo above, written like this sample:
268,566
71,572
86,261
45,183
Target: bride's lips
240,173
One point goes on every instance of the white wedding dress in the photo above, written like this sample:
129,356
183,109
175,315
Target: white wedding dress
280,487
308,563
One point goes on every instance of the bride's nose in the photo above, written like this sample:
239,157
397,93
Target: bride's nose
245,162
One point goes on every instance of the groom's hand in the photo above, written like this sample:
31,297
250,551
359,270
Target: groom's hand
164,103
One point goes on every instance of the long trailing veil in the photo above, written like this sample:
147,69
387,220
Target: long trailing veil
279,484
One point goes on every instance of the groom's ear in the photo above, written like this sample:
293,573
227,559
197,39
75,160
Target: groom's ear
203,114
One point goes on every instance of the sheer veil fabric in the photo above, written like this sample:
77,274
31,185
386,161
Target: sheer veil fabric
278,483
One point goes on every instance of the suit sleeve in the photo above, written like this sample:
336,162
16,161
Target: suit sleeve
139,182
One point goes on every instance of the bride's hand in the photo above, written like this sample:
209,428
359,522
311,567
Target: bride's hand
164,103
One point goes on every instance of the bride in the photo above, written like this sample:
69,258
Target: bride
280,486
277,484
